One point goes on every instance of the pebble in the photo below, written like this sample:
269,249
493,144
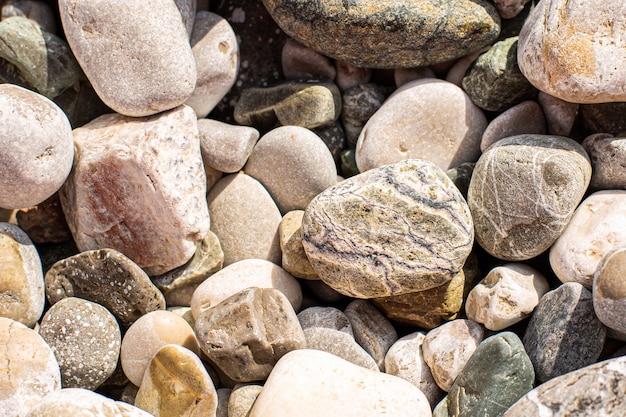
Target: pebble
340,344
301,63
349,76
359,103
608,156
603,117
560,114
507,295
245,219
45,222
428,119
609,291
405,222
508,9
108,278
242,399
225,147
328,317
38,11
21,283
522,119
564,333
293,164
458,68
344,388
36,147
294,259
85,339
176,384
550,172
402,76
573,51
30,371
594,230
152,73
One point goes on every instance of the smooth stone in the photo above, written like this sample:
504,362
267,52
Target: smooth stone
608,157
187,9
349,76
303,378
595,230
22,293
428,119
223,397
226,147
495,376
38,11
293,164
138,186
573,50
402,76
216,54
507,295
245,219
323,292
459,67
242,399
359,103
387,34
328,317
147,336
564,333
508,9
348,163
294,259
85,339
333,136
29,369
246,334
405,359
551,172
521,119
494,82
609,291
340,344
595,390
45,222
302,63
447,348
36,151
603,117
560,114
241,275
153,67
176,384
108,278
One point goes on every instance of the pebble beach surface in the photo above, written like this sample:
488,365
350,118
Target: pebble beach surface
267,208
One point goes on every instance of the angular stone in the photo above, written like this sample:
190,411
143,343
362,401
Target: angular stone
608,157
359,103
35,10
564,333
108,278
392,230
225,147
242,399
340,344
560,114
302,63
523,118
294,259
138,186
153,67
609,291
550,172
45,223
427,119
329,317
386,34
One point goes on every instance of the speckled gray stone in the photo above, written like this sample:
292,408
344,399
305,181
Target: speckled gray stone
331,317
609,291
359,103
608,159
395,229
339,344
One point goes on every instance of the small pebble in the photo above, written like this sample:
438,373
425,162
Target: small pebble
359,103
340,344
329,317
523,118
508,9
349,76
609,291
242,399
302,63
226,147
560,114
608,157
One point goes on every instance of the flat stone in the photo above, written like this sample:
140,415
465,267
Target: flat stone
608,155
242,399
574,50
106,277
603,117
609,291
45,222
85,339
405,222
153,67
359,103
36,151
345,389
428,119
560,114
294,259
329,317
226,147
340,344
35,10
564,333
523,118
551,172
388,34
301,63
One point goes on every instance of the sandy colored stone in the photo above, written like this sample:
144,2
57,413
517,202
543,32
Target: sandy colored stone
609,290
294,259
608,159
242,399
560,114
523,118
226,147
330,317
340,344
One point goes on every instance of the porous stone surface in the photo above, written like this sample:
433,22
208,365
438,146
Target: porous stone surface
551,172
392,230
523,118
330,317
138,186
226,147
608,159
294,259
340,344
609,291
153,73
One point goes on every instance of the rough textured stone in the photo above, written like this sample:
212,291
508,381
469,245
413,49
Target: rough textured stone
35,10
392,230
36,147
608,159
85,339
560,114
609,290
564,333
138,186
226,147
427,119
242,399
523,118
294,259
139,65
388,34
574,50
301,63
340,344
329,317
45,223
108,278
359,103
603,117
550,172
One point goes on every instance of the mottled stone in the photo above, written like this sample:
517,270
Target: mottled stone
596,229
609,290
392,230
573,50
245,219
340,344
36,147
427,119
176,385
45,222
603,117
152,68
550,172
523,118
226,147
106,277
509,8
344,388
560,114
495,376
242,399
29,369
388,34
22,295
359,103
564,333
35,10
329,317
302,63
294,259
246,334
608,159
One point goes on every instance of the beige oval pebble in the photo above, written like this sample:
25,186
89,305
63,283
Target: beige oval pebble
609,290
242,399
226,147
